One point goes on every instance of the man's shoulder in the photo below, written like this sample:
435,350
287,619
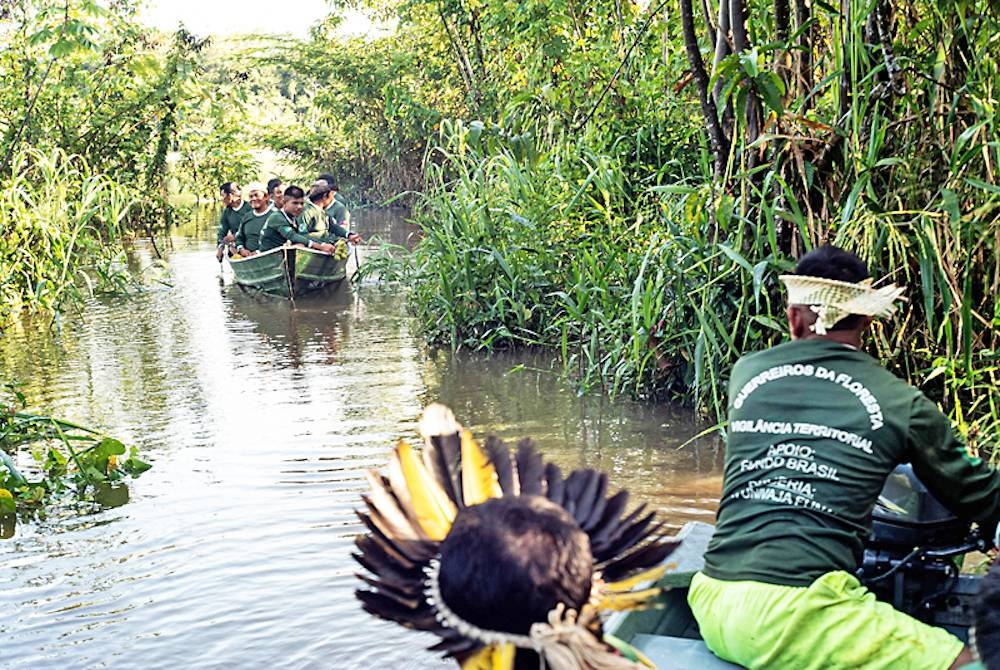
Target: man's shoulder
274,219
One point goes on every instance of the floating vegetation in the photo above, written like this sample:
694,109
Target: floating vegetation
46,461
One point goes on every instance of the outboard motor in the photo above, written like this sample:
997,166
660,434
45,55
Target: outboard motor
913,558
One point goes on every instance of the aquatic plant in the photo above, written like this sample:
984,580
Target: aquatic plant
46,461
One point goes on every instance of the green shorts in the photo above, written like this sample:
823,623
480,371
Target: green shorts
833,623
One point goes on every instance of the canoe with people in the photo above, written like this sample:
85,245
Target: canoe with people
284,240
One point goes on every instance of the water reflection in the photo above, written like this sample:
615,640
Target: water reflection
260,419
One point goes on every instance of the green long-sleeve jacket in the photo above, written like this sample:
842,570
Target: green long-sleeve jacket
316,222
278,229
338,212
248,235
229,222
815,427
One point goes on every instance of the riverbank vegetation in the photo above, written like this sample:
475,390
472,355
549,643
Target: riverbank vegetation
92,108
618,182
636,183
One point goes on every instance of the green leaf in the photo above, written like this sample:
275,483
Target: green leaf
7,504
134,467
772,90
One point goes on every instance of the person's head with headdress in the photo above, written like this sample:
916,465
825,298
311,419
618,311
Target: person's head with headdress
831,291
505,560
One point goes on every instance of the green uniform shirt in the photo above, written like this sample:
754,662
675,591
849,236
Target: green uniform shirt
278,229
316,222
229,222
815,427
312,220
248,235
338,212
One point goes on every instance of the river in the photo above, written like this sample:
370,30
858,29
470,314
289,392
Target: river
260,419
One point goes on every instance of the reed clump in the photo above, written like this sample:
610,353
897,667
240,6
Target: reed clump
60,234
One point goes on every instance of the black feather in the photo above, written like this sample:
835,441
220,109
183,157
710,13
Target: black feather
626,522
387,608
458,645
629,536
610,521
643,557
445,456
581,485
415,550
555,486
410,595
499,456
597,503
530,469
378,562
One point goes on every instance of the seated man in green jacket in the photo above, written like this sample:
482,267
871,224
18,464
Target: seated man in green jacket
234,209
815,428
248,235
281,226
314,216
337,209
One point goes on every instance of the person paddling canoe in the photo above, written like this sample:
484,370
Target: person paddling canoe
234,210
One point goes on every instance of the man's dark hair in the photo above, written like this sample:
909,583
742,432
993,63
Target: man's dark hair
507,562
316,193
330,180
294,192
830,262
273,184
229,188
987,619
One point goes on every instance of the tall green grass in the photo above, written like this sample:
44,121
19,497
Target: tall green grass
658,294
654,279
61,225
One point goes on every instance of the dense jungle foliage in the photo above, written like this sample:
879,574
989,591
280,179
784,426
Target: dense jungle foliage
639,176
620,182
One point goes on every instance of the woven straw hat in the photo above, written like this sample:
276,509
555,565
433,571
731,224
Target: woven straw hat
832,300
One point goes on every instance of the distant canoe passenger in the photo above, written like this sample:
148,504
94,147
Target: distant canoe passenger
314,218
229,222
276,191
281,226
337,209
248,236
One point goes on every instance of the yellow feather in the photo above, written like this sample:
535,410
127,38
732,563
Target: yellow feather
650,575
479,477
434,511
625,601
491,657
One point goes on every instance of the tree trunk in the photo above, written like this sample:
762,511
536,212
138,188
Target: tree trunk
717,137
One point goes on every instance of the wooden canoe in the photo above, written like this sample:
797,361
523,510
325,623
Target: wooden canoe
288,271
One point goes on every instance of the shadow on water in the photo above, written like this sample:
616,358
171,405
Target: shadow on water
260,418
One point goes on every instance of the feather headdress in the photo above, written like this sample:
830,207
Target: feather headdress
421,508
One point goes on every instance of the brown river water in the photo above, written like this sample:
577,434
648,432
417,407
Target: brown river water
260,419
